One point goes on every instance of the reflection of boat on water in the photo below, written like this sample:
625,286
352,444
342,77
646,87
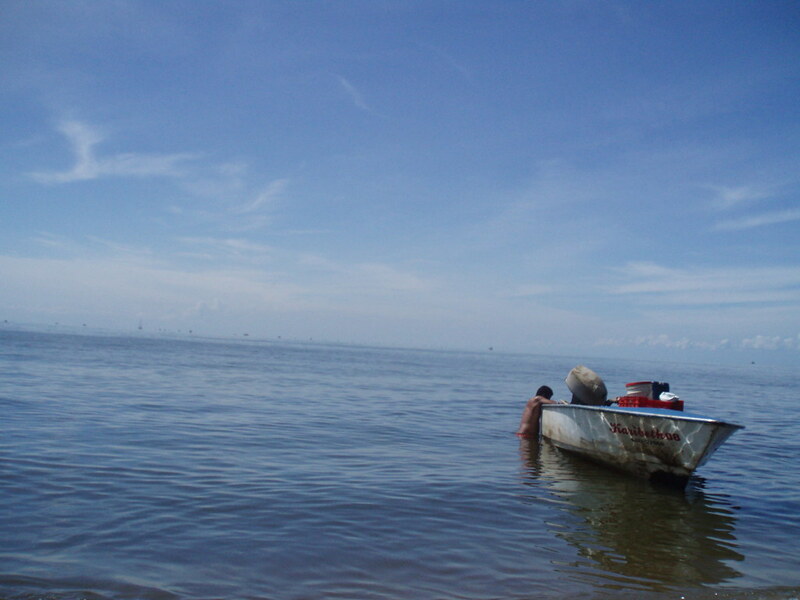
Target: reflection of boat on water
632,535
642,437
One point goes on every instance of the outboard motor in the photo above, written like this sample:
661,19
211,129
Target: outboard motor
586,386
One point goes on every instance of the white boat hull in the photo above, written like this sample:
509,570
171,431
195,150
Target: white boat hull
651,443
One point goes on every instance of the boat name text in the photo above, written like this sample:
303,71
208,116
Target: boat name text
638,432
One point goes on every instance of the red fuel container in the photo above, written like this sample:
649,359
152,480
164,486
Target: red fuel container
645,402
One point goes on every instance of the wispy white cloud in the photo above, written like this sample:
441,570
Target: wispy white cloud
244,279
755,342
98,286
363,278
328,278
120,250
226,250
382,277
449,60
226,180
663,340
725,285
532,290
265,197
83,139
53,241
90,245
728,197
353,93
771,342
229,198
761,220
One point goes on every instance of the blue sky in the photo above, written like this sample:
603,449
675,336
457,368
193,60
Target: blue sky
584,178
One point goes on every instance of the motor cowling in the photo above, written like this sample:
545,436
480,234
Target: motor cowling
587,387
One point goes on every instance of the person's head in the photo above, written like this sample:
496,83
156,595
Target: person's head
545,391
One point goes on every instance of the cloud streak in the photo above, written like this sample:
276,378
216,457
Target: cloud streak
728,197
448,59
762,220
88,165
719,286
756,342
266,197
225,250
353,93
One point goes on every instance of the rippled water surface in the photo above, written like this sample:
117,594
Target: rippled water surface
162,468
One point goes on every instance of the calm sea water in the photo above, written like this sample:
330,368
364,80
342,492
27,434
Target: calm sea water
162,468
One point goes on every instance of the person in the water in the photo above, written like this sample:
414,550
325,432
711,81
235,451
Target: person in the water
529,424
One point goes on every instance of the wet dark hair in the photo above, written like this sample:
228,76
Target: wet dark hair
545,391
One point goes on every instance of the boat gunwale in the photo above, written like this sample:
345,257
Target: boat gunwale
646,412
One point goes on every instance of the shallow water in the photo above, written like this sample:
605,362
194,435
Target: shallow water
136,467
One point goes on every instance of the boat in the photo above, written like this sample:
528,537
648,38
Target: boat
632,433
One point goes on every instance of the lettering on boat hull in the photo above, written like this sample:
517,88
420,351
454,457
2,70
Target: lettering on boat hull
649,434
